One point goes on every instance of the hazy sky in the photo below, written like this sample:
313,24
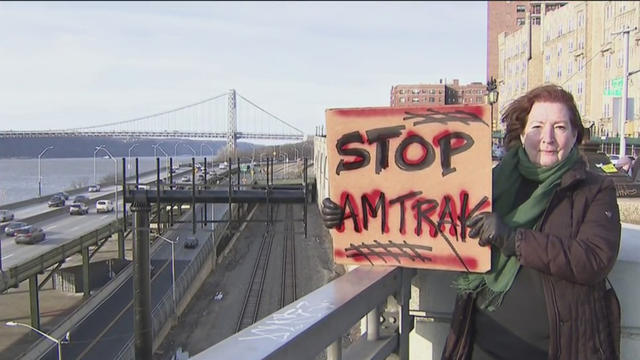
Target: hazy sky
65,65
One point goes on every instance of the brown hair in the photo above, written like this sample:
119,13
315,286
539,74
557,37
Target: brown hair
516,115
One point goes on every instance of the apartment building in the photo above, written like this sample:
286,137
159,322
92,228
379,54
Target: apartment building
438,94
509,17
576,46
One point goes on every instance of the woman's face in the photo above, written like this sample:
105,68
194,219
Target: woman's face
548,137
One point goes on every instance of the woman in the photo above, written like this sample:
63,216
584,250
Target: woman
554,233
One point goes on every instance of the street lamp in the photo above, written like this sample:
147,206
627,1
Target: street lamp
39,176
175,148
94,163
115,178
492,89
129,157
166,158
173,269
64,340
190,148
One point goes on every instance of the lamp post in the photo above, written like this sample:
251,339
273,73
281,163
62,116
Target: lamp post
129,157
39,176
64,340
173,269
94,162
493,93
115,178
166,158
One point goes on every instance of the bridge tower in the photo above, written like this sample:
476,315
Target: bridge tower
232,125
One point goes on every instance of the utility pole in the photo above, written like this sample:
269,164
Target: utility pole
625,90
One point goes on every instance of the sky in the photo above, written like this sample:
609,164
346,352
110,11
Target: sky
71,64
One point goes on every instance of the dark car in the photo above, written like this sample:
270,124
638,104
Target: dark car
29,235
56,201
191,242
81,199
11,228
62,194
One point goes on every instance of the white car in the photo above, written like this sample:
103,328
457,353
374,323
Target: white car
78,209
223,165
104,206
94,188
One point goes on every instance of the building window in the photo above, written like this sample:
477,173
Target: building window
520,8
415,91
580,87
403,100
607,61
547,58
580,19
432,91
535,9
571,45
559,50
559,71
520,21
478,99
569,67
401,91
432,99
535,20
415,99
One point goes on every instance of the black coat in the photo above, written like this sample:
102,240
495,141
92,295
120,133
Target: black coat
574,250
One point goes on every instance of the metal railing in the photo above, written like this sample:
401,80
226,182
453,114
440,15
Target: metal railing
318,321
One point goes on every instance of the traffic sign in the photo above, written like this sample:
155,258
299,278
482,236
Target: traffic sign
615,89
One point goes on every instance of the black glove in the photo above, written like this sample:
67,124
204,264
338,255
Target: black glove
331,213
490,229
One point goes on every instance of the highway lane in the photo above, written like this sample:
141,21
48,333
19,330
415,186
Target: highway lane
42,207
103,333
59,229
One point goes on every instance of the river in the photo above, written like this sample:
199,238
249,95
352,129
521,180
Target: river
19,177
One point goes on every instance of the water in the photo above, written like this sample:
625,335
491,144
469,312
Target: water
19,177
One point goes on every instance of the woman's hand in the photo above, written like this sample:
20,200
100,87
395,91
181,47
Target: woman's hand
490,229
331,213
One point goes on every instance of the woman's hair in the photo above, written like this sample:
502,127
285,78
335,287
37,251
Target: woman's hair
516,114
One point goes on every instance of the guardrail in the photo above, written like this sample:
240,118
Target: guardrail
308,326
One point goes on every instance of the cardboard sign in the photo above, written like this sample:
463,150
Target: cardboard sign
408,179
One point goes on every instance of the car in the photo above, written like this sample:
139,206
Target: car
223,166
78,209
81,199
186,178
10,229
191,242
94,188
6,215
62,194
104,206
143,187
56,201
614,159
29,235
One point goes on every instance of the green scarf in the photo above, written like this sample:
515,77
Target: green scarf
506,181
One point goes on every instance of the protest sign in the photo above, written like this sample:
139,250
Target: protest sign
408,179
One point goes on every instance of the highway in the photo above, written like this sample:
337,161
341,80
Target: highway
104,333
59,227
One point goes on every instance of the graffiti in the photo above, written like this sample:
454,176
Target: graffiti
407,180
281,325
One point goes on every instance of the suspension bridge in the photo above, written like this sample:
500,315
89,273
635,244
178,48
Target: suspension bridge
229,116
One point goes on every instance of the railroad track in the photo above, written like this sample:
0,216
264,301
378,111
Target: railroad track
288,259
251,304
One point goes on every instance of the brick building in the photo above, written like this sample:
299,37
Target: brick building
438,94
